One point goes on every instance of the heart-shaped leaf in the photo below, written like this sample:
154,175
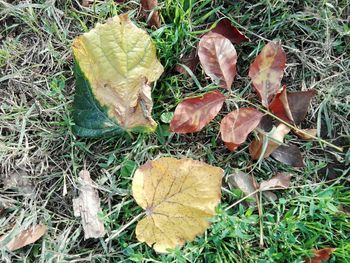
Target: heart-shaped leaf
114,64
179,196
192,114
266,71
218,58
236,126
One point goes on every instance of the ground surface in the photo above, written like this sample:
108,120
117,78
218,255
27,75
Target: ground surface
36,92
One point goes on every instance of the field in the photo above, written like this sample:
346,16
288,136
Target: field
36,139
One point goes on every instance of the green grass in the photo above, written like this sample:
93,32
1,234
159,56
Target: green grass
36,92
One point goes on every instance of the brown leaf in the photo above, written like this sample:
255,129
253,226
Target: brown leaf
26,237
192,114
87,3
246,183
280,107
226,29
321,254
299,103
290,155
191,61
87,206
266,71
19,181
236,126
280,180
218,58
148,7
274,139
306,134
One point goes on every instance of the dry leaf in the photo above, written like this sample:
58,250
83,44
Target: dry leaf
87,206
322,254
236,126
226,29
115,62
19,181
218,58
280,107
192,114
266,71
26,237
148,7
281,180
307,134
87,3
272,139
289,154
179,196
191,61
299,103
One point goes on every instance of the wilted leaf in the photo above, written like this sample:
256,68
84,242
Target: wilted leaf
87,206
179,197
266,71
289,154
281,180
280,107
192,114
25,237
148,7
299,103
322,254
236,126
306,134
267,143
191,61
218,58
114,63
226,29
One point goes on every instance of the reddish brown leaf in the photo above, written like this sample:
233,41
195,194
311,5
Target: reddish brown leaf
322,254
290,155
280,107
266,71
218,58
192,114
299,104
236,126
306,134
280,180
26,237
148,7
226,29
191,61
274,140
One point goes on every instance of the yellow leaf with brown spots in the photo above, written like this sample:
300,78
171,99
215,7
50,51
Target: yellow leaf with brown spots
179,196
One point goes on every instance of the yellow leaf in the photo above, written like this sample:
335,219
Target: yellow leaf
179,197
119,61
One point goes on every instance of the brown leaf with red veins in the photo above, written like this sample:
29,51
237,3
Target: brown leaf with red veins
280,107
226,29
289,154
218,58
299,103
148,7
266,71
192,114
236,126
321,254
191,61
274,140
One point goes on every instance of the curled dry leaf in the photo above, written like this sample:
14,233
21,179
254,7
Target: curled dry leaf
26,237
236,126
192,114
289,154
114,64
321,254
218,58
226,29
179,196
87,206
280,180
266,71
267,143
306,134
149,6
